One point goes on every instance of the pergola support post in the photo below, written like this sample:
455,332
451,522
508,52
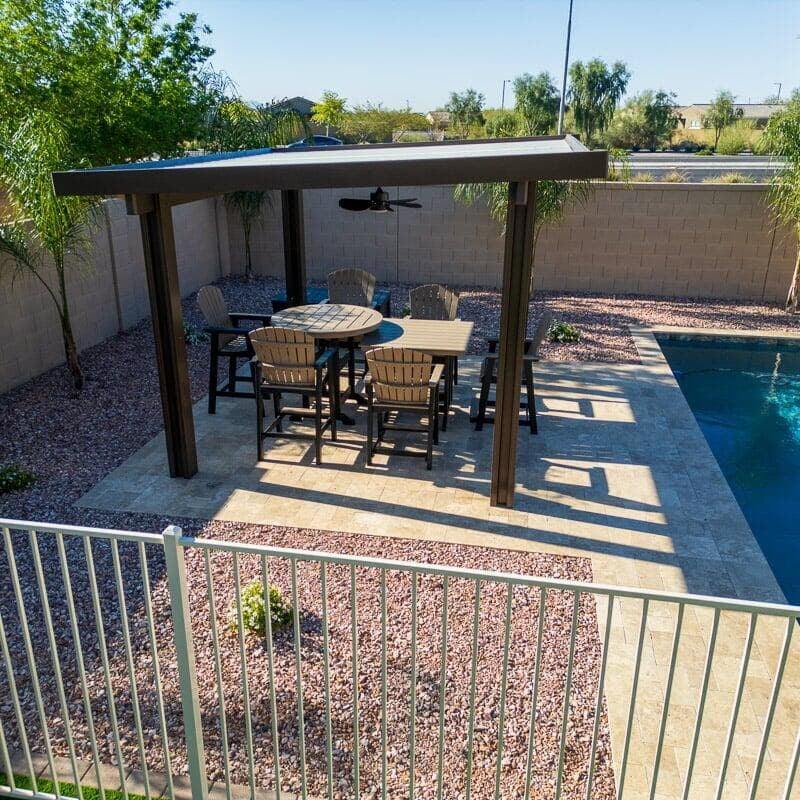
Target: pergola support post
517,265
161,265
294,246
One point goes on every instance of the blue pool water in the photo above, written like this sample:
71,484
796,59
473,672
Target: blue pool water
746,399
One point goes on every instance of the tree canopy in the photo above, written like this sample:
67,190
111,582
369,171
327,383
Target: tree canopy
329,110
721,113
465,110
536,101
646,122
374,123
595,90
123,83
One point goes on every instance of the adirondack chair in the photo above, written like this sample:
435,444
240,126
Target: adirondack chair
285,362
228,341
402,380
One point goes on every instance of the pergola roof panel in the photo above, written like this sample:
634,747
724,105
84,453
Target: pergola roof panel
427,163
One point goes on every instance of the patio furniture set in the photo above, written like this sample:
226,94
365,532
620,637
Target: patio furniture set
410,364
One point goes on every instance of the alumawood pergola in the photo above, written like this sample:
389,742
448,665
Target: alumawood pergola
151,189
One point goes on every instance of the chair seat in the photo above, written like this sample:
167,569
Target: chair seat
235,346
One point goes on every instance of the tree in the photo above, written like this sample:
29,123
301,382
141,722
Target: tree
647,121
782,137
124,84
595,89
329,111
720,114
465,110
374,123
41,224
502,124
235,125
537,101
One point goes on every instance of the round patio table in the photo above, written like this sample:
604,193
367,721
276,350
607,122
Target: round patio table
329,320
332,321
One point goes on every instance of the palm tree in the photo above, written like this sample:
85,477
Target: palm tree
42,230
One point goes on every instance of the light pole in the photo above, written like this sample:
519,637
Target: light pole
566,67
503,95
779,85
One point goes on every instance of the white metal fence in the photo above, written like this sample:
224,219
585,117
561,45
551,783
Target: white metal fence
389,679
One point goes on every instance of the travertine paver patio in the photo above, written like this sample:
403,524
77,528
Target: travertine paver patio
620,473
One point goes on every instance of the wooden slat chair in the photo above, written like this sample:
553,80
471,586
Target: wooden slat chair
402,380
489,376
354,287
286,362
228,341
434,301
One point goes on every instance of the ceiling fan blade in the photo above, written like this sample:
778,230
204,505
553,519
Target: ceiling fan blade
407,205
353,204
404,200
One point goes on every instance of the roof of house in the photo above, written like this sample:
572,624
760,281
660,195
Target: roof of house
302,105
411,164
749,110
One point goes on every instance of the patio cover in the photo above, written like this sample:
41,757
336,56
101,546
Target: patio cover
151,189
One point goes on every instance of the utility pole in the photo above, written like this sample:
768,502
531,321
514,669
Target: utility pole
503,95
779,85
566,68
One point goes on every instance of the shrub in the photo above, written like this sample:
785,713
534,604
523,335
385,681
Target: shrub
705,150
729,177
194,335
675,176
685,146
254,616
642,177
14,478
733,140
563,333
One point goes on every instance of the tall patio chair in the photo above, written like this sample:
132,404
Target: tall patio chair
434,301
489,376
400,380
285,362
228,341
354,287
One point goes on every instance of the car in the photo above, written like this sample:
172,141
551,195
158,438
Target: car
317,140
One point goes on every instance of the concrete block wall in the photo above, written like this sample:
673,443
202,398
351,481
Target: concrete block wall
107,293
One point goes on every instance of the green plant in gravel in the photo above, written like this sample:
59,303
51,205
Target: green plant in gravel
675,176
563,333
46,786
192,335
729,177
642,177
14,478
254,610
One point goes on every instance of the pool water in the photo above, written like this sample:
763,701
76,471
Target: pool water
746,399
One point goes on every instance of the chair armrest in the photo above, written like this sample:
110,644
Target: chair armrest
264,319
494,342
436,375
368,379
324,357
233,331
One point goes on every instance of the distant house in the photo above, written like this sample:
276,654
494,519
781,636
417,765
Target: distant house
439,120
758,113
302,105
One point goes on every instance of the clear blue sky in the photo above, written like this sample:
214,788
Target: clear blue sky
418,51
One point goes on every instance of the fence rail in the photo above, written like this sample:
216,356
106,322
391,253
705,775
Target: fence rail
129,657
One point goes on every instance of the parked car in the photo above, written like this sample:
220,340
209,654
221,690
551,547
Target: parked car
317,140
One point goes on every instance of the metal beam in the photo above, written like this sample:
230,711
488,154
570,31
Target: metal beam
517,263
158,241
294,246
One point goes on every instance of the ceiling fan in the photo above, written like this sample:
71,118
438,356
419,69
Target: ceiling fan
378,201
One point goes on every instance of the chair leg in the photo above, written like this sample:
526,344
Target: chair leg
351,366
260,423
436,421
212,384
531,400
231,373
433,415
318,424
455,370
486,385
448,377
370,426
333,397
276,405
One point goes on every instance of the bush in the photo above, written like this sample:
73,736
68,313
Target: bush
14,478
705,150
733,140
729,177
254,616
675,176
642,177
685,146
194,335
563,333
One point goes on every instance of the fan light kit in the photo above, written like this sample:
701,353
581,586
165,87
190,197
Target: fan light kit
379,202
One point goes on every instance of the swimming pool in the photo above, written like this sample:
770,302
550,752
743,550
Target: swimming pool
745,395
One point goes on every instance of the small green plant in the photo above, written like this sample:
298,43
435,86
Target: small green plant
729,177
406,312
619,165
642,177
563,333
675,176
254,612
14,478
194,335
705,150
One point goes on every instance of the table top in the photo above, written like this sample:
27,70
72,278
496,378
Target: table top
329,320
436,337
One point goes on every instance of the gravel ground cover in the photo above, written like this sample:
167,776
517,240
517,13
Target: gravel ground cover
72,442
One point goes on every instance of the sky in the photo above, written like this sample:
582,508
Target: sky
417,52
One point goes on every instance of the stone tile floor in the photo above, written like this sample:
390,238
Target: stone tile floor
619,472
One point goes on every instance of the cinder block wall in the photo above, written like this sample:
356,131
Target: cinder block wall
107,294
687,240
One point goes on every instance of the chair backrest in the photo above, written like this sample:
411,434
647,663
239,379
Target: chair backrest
433,301
399,375
286,356
545,321
354,287
215,311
